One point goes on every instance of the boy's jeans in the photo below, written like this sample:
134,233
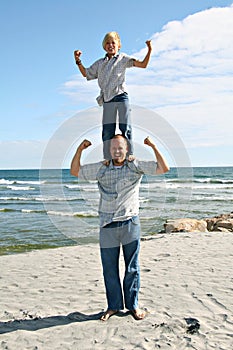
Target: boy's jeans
110,110
118,232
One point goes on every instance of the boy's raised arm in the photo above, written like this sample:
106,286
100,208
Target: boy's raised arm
77,54
145,61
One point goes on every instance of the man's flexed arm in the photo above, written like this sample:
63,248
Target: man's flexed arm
75,164
162,164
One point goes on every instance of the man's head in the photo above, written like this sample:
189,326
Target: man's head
118,149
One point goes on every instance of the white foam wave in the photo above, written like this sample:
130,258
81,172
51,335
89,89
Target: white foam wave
85,188
213,186
30,182
6,182
57,199
29,211
20,182
71,214
20,188
40,199
15,199
73,187
213,198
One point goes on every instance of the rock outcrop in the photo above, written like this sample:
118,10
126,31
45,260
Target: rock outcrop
185,225
221,223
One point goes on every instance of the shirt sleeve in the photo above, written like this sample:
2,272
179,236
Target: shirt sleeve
147,167
129,61
92,71
89,172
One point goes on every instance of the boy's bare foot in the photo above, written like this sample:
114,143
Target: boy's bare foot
106,162
131,158
138,314
108,314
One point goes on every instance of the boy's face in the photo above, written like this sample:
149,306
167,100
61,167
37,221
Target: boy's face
112,47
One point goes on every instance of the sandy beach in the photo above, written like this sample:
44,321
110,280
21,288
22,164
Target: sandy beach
52,299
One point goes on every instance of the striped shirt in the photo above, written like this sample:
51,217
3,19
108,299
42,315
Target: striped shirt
118,187
110,74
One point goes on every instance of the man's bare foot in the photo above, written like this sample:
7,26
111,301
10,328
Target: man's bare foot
131,158
108,314
138,314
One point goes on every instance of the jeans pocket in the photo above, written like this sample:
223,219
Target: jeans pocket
135,220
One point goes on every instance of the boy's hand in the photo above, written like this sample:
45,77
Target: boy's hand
149,45
77,54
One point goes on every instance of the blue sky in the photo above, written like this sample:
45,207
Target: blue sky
189,81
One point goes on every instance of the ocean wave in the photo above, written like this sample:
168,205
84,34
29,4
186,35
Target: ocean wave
42,199
29,211
21,188
200,180
15,198
30,182
144,200
6,182
20,182
214,181
212,198
72,187
58,199
75,214
85,188
198,185
213,186
92,214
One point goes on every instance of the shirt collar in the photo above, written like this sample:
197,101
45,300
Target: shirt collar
111,165
106,58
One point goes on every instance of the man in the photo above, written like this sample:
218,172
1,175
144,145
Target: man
118,184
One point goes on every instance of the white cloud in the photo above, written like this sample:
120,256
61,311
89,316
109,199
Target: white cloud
190,78
81,91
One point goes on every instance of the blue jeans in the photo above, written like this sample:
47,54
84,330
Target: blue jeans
118,104
110,262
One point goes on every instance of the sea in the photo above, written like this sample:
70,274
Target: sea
41,209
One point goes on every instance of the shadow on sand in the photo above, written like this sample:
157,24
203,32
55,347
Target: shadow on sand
51,321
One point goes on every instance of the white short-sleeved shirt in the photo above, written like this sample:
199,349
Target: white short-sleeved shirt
110,74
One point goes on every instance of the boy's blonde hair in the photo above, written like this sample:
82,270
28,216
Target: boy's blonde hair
111,35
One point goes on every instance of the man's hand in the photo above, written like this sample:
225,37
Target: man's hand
84,144
162,166
75,164
148,141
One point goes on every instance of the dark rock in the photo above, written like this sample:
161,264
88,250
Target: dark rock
193,325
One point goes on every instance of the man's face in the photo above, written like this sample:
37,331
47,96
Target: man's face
118,150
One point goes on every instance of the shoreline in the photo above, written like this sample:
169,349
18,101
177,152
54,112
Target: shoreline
52,299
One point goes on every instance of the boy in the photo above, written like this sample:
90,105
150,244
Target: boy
110,72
